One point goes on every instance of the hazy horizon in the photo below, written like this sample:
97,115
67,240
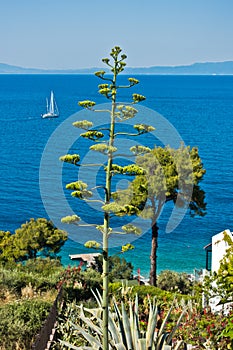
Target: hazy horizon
76,34
133,67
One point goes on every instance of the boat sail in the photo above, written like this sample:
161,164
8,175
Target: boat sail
51,108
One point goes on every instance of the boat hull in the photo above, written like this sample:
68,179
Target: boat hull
49,115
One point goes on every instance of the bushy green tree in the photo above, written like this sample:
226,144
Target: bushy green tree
33,238
119,268
174,282
169,175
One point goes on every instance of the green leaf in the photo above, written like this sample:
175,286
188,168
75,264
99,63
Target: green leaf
138,98
143,128
70,219
77,185
127,247
100,73
82,194
125,112
130,228
101,229
92,135
70,158
92,244
87,104
140,150
133,81
133,170
83,124
120,210
102,148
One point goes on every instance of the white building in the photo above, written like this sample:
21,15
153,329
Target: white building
215,252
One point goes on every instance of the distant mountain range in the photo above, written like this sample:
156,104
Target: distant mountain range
206,68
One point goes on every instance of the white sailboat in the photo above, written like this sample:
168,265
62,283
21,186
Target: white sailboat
51,108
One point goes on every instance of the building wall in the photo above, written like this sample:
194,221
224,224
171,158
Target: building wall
219,247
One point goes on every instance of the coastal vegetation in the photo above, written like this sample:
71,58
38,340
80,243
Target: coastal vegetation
29,288
37,237
127,315
159,175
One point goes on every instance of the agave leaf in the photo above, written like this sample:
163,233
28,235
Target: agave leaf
160,345
92,340
136,333
73,347
89,323
142,344
120,346
121,330
133,326
179,344
114,330
169,339
136,313
69,346
98,297
96,312
162,328
126,324
152,321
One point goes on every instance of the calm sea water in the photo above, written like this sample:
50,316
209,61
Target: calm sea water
200,108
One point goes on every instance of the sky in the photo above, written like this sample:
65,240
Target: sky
69,34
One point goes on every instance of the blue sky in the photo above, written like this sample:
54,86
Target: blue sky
76,34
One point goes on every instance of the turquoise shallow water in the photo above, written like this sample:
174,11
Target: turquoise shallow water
200,108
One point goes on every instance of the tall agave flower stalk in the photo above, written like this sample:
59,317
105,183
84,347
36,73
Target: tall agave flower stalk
124,328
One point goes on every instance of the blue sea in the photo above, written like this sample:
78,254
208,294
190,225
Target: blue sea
198,108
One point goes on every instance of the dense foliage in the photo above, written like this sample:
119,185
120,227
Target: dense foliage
169,175
33,238
27,292
20,321
119,268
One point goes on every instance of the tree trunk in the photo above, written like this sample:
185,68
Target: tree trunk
153,256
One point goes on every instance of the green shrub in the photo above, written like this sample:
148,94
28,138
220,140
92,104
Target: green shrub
78,284
43,266
174,282
20,322
15,281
